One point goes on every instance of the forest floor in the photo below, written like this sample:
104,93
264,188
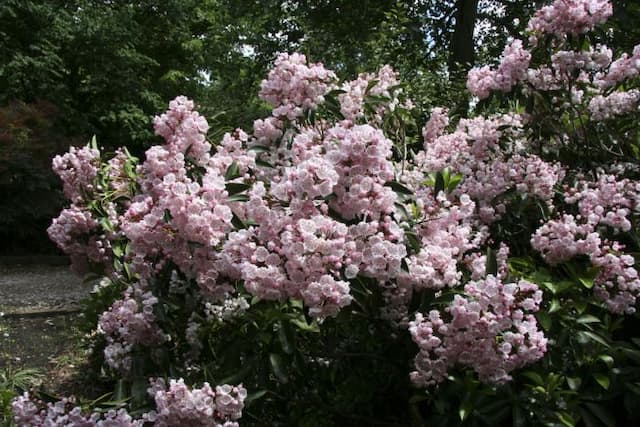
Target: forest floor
39,314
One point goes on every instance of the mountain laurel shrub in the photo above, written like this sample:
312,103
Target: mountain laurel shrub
336,266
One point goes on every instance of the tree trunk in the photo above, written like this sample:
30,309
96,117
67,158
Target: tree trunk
461,56
461,51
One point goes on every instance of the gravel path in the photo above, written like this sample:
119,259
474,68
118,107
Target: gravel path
34,288
38,316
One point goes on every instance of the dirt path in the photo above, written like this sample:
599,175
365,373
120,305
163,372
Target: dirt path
38,316
33,288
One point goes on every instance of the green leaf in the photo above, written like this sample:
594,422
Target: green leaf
465,410
254,396
403,210
117,250
167,217
594,337
439,183
587,283
264,164
370,86
602,414
335,92
332,103
139,391
587,277
491,266
518,417
398,188
574,383
285,336
238,198
259,148
106,224
413,240
566,419
127,270
304,326
277,366
446,175
237,376
602,379
237,222
544,319
580,306
535,377
588,318
454,182
120,390
608,360
632,354
634,388
233,171
550,286
417,398
236,187
554,306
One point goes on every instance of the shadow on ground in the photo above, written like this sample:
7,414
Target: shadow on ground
39,326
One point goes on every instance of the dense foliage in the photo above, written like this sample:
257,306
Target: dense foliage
106,67
349,268
30,191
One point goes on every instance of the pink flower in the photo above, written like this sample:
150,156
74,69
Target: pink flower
570,16
491,330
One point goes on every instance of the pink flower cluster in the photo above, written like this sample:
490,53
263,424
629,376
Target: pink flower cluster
293,86
326,296
179,405
446,234
177,215
29,412
491,329
565,63
77,233
609,202
129,322
447,229
570,17
268,130
587,75
232,150
616,104
624,68
562,239
512,69
384,84
184,130
296,249
438,122
310,179
120,180
77,169
591,70
327,211
474,151
284,258
362,157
